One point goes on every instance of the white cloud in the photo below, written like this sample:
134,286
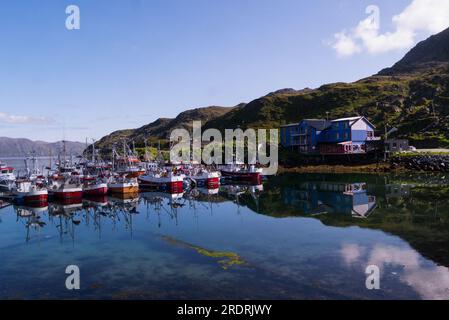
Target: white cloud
14,119
419,17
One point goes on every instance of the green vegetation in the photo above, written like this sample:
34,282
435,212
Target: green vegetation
227,259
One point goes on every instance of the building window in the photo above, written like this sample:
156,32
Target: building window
370,134
346,136
337,136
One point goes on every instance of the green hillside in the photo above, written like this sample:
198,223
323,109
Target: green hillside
413,96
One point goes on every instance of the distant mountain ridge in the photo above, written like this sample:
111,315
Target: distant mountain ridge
17,147
412,95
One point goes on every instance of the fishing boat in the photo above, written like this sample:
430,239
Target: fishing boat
93,186
65,187
7,177
166,181
29,191
123,185
239,173
205,178
128,163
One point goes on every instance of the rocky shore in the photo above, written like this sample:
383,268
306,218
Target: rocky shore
431,163
403,163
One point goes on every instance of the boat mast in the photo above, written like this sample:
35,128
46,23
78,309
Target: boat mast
93,150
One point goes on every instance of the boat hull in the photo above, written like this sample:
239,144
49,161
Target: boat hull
96,190
210,183
67,194
36,198
123,189
254,177
165,186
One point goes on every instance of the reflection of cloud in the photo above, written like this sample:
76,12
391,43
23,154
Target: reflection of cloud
14,119
382,255
351,253
431,283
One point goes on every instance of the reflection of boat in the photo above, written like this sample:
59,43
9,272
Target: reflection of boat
171,197
4,204
238,189
125,196
28,211
65,207
95,201
208,192
32,216
128,203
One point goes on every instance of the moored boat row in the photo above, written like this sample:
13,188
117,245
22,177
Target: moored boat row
126,174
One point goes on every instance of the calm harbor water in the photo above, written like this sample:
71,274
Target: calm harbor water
295,237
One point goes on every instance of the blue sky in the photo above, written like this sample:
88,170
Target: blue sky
135,61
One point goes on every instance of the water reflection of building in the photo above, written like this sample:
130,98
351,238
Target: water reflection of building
397,191
331,197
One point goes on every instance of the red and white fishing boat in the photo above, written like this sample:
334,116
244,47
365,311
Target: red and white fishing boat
65,187
166,181
128,163
93,186
123,185
205,178
30,192
239,173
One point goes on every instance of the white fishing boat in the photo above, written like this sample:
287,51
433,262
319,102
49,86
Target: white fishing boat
7,177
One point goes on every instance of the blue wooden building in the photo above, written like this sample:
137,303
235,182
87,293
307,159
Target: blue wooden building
319,136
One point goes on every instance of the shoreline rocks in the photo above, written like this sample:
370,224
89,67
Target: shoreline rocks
431,163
